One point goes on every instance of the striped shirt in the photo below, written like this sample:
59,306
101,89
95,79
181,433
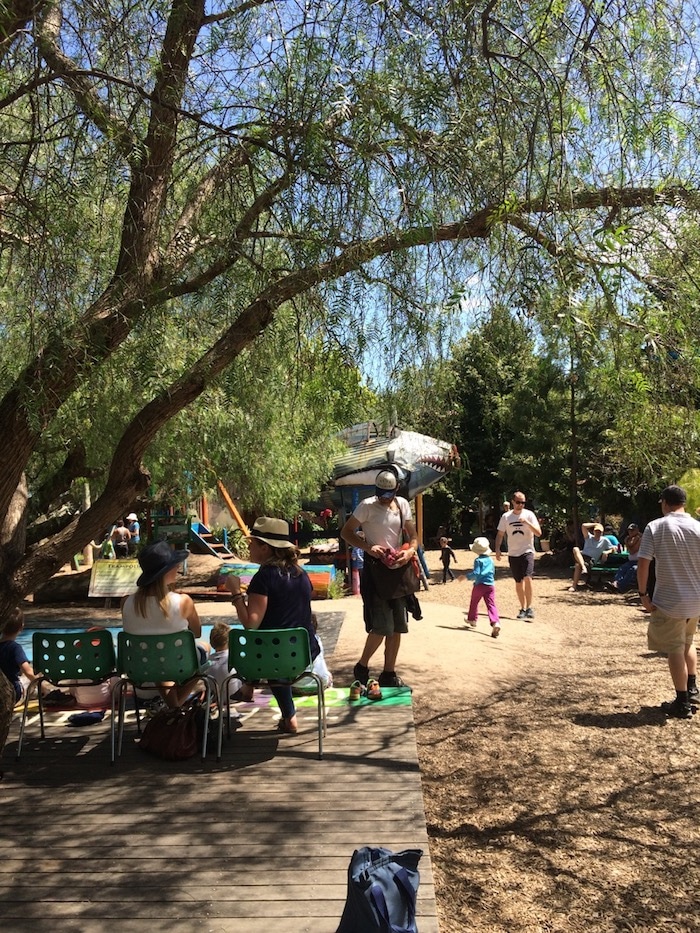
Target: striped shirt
674,541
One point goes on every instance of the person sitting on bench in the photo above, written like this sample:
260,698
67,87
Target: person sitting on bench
595,551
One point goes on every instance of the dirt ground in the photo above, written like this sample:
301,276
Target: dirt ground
557,795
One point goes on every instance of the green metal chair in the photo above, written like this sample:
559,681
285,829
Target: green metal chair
281,655
145,660
68,659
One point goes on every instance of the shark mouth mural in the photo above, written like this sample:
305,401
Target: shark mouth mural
418,460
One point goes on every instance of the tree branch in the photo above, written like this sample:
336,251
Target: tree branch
87,98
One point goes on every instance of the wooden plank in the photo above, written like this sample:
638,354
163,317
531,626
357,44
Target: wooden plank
258,841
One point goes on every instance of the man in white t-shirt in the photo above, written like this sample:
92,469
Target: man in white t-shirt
384,519
521,526
673,542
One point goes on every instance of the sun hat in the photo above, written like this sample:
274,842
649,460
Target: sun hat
272,531
386,484
132,517
157,559
481,546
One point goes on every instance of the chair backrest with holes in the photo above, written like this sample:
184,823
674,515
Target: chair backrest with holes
157,658
269,654
84,657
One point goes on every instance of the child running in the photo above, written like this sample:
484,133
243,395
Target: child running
483,576
446,556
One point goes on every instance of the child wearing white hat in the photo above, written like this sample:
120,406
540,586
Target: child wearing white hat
483,576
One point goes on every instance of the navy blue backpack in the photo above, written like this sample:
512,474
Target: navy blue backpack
382,888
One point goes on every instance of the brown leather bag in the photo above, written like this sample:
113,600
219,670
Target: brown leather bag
172,733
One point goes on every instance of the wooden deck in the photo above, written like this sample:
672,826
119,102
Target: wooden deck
258,842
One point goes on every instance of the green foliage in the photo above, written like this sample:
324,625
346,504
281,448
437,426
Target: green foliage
336,587
270,200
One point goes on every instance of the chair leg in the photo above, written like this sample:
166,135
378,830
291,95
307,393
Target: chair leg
23,722
320,712
224,692
116,696
41,710
121,716
210,687
220,725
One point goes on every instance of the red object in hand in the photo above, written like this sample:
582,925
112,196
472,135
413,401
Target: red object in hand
389,556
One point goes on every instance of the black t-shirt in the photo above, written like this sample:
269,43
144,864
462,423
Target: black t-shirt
288,600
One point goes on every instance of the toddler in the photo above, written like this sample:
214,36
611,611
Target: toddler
446,555
483,576
319,666
15,664
218,663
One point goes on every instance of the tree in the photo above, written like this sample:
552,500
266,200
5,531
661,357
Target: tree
211,166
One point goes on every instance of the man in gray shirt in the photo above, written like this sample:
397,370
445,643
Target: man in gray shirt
674,543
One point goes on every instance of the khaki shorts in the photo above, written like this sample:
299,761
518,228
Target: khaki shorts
668,634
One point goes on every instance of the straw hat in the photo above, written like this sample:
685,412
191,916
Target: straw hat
272,531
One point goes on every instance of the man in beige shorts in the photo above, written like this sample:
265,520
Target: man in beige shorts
674,543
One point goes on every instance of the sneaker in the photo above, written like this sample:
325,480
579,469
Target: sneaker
495,630
470,622
522,614
59,698
361,673
389,679
357,691
374,690
694,697
529,615
677,710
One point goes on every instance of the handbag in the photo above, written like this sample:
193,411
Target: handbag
382,890
172,734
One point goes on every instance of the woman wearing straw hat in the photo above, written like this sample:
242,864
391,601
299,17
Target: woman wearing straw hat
279,596
154,610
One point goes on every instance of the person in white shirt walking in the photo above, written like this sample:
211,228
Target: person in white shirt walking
520,525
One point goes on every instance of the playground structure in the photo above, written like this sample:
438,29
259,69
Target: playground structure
418,460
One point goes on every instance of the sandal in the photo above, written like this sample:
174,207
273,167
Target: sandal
285,727
357,690
374,691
